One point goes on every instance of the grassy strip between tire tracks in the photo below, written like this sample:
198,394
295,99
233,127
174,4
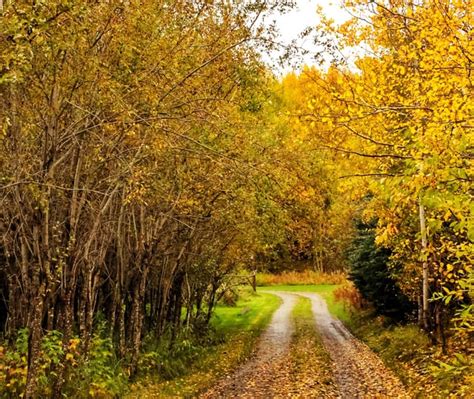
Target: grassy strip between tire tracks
240,326
311,372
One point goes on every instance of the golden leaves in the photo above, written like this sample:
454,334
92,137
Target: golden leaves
401,122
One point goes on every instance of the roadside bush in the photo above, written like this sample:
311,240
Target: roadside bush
401,342
172,357
350,297
229,297
100,374
14,366
458,371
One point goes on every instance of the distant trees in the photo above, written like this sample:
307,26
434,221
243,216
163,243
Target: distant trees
314,224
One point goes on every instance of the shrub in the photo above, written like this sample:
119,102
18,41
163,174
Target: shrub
99,374
403,342
229,297
14,366
458,371
350,297
172,358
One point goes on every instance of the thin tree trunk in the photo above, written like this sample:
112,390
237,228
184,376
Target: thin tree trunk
425,282
137,318
34,323
34,345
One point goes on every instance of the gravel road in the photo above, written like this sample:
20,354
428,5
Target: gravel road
258,377
358,372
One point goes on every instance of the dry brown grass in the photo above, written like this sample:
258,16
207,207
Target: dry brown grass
307,277
350,297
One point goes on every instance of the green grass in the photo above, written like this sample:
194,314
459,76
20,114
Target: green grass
337,309
302,312
252,312
239,327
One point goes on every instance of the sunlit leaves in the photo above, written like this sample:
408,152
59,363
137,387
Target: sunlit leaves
402,115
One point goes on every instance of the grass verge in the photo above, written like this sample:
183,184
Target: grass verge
421,366
239,327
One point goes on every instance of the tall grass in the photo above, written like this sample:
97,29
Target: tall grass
307,277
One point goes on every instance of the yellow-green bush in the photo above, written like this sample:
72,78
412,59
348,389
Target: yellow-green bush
98,375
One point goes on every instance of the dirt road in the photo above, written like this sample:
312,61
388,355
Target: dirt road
256,378
358,372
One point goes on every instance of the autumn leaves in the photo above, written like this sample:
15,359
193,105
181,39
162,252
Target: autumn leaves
146,153
124,170
398,122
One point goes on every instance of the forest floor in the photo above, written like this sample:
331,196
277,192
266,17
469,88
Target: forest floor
282,363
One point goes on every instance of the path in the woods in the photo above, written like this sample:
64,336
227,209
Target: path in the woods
258,377
358,371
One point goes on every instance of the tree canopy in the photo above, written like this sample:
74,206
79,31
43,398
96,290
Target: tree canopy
147,153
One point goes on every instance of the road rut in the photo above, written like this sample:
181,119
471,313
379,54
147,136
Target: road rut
358,371
258,377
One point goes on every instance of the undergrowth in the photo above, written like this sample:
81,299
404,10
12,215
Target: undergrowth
100,374
170,358
408,351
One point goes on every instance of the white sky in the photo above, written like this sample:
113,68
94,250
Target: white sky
293,23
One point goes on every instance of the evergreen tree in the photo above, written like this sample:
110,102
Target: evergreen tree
371,274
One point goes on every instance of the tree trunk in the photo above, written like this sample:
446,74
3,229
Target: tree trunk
137,318
34,344
425,282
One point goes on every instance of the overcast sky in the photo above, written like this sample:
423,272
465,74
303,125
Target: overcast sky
305,14
293,23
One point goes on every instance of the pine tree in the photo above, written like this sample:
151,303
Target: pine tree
371,274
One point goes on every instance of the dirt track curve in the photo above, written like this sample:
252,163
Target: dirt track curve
358,371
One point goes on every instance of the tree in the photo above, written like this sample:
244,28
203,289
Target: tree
399,118
371,273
